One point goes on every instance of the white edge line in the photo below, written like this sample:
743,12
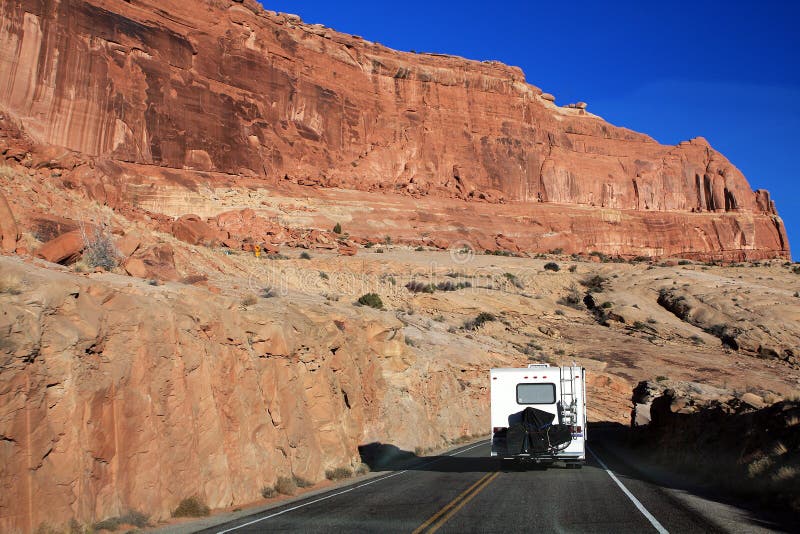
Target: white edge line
342,492
650,517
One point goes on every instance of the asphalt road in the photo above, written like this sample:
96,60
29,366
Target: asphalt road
466,491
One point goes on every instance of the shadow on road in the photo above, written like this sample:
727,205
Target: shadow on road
387,457
616,445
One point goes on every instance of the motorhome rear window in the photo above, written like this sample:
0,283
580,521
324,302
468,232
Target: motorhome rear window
536,393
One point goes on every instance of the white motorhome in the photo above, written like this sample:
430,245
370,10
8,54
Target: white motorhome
538,414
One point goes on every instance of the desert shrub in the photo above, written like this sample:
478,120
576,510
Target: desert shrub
337,229
559,312
369,244
662,378
99,249
479,320
639,259
268,492
452,286
499,253
420,287
133,518
410,342
324,275
277,256
339,473
286,486
796,269
684,262
552,266
191,507
650,320
362,469
249,300
305,255
439,318
387,240
267,292
302,483
607,304
573,268
511,277
556,251
697,340
560,352
595,283
379,251
419,249
373,300
572,298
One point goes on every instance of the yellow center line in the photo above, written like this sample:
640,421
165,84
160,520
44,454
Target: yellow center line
452,512
455,505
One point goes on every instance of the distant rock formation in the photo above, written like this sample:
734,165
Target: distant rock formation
230,88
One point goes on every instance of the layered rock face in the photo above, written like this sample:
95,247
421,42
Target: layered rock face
119,395
224,86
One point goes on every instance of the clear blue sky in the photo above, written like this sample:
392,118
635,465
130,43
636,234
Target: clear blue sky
728,71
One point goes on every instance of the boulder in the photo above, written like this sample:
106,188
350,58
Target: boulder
547,96
193,230
128,244
65,248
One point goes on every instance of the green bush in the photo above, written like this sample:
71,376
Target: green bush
552,266
305,255
373,300
595,283
191,507
514,280
268,492
337,229
420,287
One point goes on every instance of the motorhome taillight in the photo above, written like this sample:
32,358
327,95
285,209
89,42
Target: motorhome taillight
497,429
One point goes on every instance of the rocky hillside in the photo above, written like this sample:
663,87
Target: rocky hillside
170,98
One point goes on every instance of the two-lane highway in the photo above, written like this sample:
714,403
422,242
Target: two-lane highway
466,491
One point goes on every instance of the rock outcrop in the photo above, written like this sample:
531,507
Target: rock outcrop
228,89
8,227
737,445
120,395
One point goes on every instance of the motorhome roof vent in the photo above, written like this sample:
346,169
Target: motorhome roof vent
538,365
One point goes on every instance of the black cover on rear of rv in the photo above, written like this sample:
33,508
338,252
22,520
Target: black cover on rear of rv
535,433
535,419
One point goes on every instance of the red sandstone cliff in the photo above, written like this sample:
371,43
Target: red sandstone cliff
222,85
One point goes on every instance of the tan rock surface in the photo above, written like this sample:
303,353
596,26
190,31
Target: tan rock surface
8,227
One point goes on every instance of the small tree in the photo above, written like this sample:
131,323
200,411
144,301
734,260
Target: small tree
337,229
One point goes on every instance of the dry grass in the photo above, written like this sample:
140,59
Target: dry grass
191,507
